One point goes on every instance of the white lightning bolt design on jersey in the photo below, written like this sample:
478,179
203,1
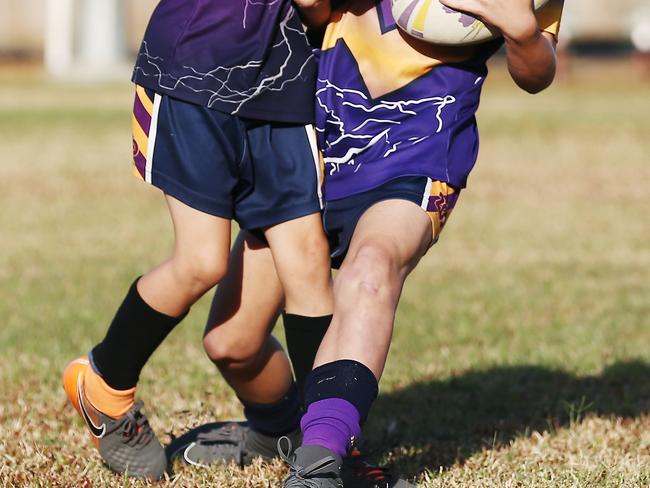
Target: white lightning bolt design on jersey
369,123
217,82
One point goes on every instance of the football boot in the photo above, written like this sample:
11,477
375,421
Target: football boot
126,444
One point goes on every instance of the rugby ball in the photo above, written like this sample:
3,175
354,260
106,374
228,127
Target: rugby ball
434,22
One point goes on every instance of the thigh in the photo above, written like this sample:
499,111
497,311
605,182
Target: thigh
199,260
301,255
398,228
390,238
342,217
200,237
300,239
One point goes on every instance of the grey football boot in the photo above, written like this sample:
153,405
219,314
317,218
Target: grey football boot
236,442
126,444
130,445
223,443
312,467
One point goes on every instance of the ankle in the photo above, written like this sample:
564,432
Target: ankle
107,400
275,419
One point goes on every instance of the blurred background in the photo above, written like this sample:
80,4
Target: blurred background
521,350
65,34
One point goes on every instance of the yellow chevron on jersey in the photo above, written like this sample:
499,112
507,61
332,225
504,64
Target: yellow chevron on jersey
389,59
549,17
390,105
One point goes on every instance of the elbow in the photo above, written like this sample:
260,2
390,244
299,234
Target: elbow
535,87
537,84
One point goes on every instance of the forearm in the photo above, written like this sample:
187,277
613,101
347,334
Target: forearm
531,60
531,53
314,13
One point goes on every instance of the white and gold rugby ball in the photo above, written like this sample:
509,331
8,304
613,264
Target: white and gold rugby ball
434,22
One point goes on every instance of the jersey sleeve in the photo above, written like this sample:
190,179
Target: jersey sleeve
550,16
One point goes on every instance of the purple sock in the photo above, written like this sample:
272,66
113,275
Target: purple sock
331,423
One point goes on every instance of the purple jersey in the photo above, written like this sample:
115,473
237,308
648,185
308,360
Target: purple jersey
391,106
243,57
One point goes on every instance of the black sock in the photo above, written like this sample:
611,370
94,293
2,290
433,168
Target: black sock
135,333
275,419
349,380
270,421
304,335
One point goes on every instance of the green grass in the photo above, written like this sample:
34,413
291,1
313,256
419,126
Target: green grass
520,356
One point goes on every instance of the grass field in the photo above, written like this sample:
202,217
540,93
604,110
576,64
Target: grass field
522,347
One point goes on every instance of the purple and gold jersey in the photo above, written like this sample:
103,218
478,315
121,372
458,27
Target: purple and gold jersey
243,57
389,105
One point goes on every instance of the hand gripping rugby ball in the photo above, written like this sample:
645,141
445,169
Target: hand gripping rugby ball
434,22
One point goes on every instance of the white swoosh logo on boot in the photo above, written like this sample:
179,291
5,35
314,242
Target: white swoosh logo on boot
97,430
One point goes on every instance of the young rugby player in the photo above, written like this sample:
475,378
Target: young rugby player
224,99
396,123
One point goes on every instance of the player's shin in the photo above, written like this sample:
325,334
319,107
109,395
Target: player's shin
134,334
244,310
338,396
301,256
264,384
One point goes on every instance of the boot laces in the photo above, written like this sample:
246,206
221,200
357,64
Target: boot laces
224,435
302,477
136,430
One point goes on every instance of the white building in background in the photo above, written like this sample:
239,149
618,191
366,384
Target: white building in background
22,23
75,37
58,32
84,38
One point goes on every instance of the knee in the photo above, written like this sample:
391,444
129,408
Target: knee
228,349
201,269
371,269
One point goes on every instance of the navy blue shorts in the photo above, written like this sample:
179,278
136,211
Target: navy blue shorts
256,172
340,217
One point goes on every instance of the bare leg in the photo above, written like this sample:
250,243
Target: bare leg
244,310
301,255
246,306
368,287
151,311
199,262
249,300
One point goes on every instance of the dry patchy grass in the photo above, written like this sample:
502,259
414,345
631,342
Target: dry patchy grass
520,356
